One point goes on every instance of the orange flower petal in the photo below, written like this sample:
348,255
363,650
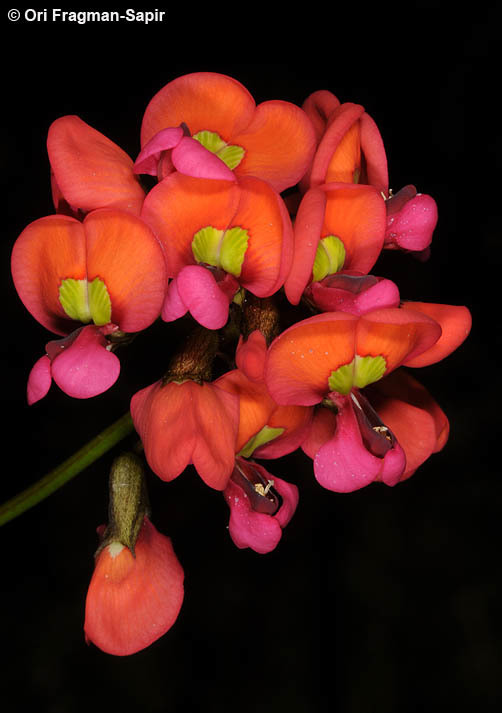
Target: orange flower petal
166,426
255,404
132,601
334,161
261,212
455,321
301,359
90,170
357,215
203,101
180,206
48,251
217,420
123,252
279,144
307,231
416,419
395,334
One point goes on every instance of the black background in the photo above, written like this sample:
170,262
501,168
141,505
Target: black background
380,601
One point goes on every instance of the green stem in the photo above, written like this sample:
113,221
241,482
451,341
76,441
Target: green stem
67,470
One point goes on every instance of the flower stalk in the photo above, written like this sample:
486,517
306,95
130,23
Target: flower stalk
67,470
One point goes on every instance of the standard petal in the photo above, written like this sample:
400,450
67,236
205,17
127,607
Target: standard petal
279,144
90,170
356,214
396,334
455,321
307,232
203,101
163,417
339,148
262,213
86,368
301,359
48,251
122,251
216,414
178,207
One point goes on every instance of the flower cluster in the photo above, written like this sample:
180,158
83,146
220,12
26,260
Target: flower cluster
260,234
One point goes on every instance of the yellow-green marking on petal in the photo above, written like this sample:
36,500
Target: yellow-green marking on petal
360,372
230,154
206,245
233,249
86,301
266,435
329,257
342,379
221,248
368,369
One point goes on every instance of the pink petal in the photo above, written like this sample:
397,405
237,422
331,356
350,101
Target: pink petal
151,153
353,294
345,463
193,159
290,497
411,228
86,368
252,524
247,528
173,307
199,291
39,380
394,464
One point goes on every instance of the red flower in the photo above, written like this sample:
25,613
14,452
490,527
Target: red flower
183,423
107,272
273,141
218,235
338,227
